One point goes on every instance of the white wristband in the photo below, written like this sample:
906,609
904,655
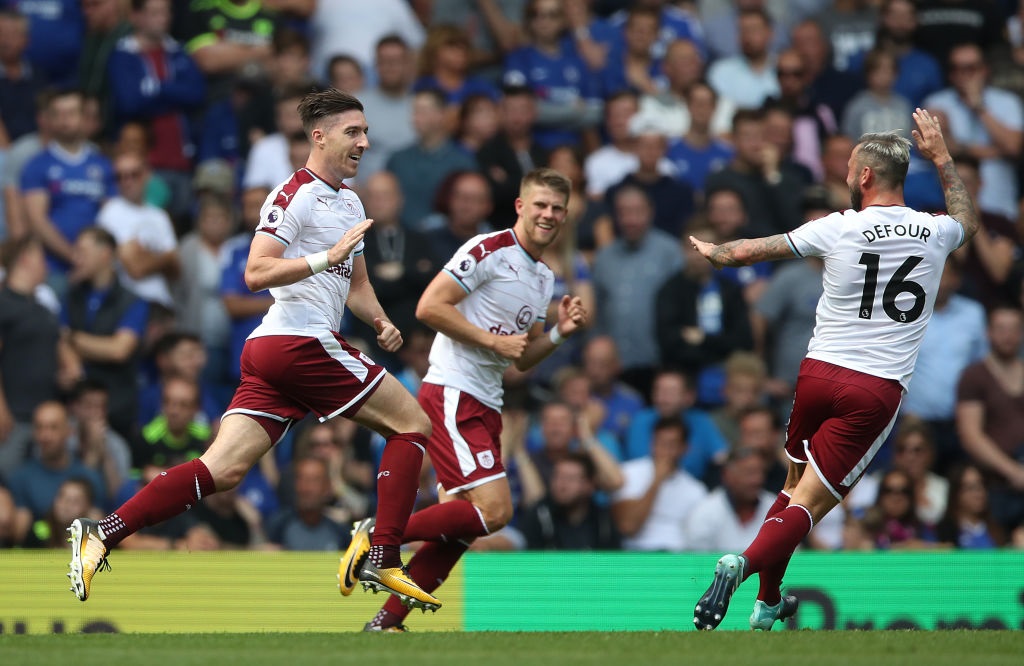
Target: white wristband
556,337
317,262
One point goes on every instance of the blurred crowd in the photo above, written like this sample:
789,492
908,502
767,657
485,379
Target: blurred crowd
139,139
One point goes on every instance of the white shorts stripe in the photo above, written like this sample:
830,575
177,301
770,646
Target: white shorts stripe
855,473
359,396
334,349
253,412
459,443
473,484
817,470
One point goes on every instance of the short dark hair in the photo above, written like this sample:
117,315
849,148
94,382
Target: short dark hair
337,60
168,341
322,104
286,38
746,116
672,423
100,236
84,386
968,160
12,249
583,460
509,90
392,39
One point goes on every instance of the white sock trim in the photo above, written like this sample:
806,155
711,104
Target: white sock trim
482,521
807,511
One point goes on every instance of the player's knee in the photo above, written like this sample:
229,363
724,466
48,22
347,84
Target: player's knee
228,477
421,423
496,516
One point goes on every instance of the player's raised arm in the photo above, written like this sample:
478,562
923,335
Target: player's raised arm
745,251
572,317
932,146
267,268
437,310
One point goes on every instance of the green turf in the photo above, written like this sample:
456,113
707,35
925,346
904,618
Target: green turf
792,648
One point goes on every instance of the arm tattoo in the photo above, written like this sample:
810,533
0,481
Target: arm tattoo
958,202
748,251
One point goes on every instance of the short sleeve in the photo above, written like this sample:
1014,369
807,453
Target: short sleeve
818,237
972,385
951,232
33,177
468,265
281,224
635,482
134,319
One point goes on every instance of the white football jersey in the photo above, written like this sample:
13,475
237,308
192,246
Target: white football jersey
882,270
307,215
508,291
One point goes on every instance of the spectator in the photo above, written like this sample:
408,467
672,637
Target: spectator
627,275
744,388
106,324
422,166
954,339
399,261
762,178
75,497
307,525
727,217
95,442
682,69
229,41
989,262
825,84
900,528
835,160
652,508
620,401
20,82
943,25
878,108
351,468
268,164
701,317
332,21
64,186
551,67
147,248
987,122
389,104
850,27
414,357
345,73
761,430
493,29
478,122
918,72
244,308
699,152
14,216
35,482
748,79
175,435
463,202
180,354
914,453
990,415
635,62
563,431
674,23
154,82
56,32
569,518
588,218
673,199
731,514
106,23
507,156
33,358
615,159
673,397
205,252
968,523
444,66
234,522
813,121
719,20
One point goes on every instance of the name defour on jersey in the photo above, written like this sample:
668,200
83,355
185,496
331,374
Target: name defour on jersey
880,231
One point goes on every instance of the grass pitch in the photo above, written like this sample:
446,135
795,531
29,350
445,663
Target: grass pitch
786,648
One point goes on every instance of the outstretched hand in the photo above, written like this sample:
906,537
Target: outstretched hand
928,137
348,242
706,249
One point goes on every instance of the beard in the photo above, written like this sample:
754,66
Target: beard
856,197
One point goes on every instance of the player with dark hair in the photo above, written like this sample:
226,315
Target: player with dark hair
883,262
308,250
